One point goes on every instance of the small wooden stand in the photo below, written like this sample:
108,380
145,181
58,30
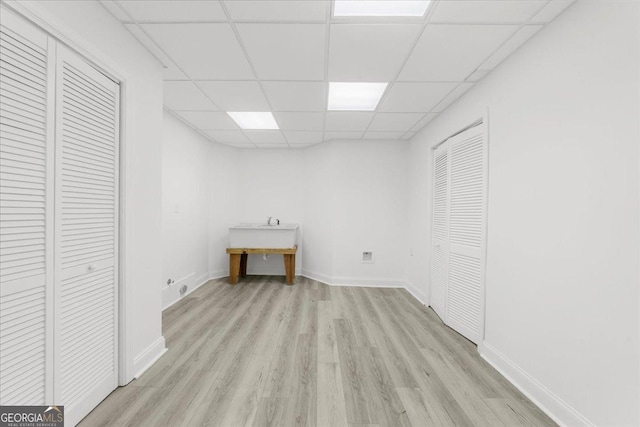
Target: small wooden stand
238,261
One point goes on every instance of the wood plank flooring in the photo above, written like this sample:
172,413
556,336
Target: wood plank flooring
262,353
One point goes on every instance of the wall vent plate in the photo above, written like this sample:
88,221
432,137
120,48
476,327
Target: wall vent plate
367,256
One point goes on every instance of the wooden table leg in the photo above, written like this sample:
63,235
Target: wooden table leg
243,265
234,268
289,266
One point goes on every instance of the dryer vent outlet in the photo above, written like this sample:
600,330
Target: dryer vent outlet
183,289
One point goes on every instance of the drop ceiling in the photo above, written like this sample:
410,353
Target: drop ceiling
279,56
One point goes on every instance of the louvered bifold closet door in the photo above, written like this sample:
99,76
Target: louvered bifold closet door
440,232
25,212
86,235
465,299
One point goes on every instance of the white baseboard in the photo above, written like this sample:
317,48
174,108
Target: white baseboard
148,357
171,294
316,276
368,282
354,281
417,293
556,408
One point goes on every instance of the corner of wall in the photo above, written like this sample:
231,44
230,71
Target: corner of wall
148,357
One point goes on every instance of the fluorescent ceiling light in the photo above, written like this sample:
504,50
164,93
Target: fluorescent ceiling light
380,8
355,96
254,120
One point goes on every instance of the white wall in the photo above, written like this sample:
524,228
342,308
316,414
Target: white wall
223,199
562,268
269,184
369,211
101,38
347,198
185,205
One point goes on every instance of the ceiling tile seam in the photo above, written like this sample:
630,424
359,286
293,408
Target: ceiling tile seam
237,21
520,27
337,111
179,68
528,22
115,3
414,125
305,81
183,120
236,33
327,44
426,19
165,53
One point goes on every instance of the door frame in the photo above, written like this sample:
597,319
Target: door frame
473,121
65,35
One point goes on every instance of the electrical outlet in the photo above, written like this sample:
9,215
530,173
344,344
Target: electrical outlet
367,256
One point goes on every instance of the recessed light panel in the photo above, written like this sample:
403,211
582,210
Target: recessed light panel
380,8
254,120
355,96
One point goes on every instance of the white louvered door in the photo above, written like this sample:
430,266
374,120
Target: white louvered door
86,241
58,224
440,233
465,232
26,232
467,239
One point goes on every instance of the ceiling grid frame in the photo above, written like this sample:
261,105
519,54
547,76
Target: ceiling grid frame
253,69
538,17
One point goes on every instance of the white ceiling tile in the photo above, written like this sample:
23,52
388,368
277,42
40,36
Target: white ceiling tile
383,135
552,10
274,10
299,121
296,138
485,11
285,51
518,39
302,145
229,136
455,94
394,121
203,51
452,52
235,96
272,146
207,120
184,95
422,123
171,71
409,135
370,53
349,121
266,137
342,135
415,97
296,96
173,11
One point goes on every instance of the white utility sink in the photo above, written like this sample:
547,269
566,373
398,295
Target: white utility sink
263,236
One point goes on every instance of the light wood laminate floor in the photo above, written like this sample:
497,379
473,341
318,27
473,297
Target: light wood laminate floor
263,353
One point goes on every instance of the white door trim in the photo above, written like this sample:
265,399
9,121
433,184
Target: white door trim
61,32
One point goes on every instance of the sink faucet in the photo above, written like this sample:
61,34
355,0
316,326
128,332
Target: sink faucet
269,221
